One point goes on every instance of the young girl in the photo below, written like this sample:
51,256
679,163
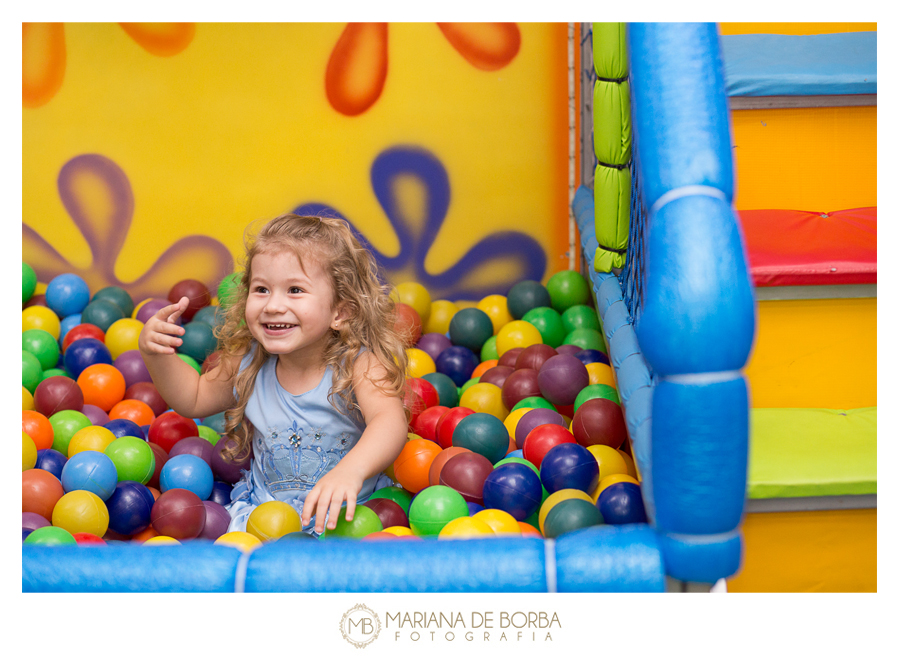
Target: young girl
310,376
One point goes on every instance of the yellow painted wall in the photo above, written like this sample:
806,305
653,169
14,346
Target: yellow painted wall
815,353
795,28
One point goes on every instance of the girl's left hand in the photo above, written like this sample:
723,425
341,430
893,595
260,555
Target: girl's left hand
328,496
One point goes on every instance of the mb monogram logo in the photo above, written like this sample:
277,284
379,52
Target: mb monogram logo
360,626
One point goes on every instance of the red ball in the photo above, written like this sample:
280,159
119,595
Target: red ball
510,356
85,330
178,513
426,423
210,362
420,395
407,323
534,356
147,393
561,378
541,439
466,473
448,423
496,375
389,512
599,422
40,492
169,428
196,292
58,393
519,385
88,538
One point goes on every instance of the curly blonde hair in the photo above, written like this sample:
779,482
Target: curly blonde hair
355,282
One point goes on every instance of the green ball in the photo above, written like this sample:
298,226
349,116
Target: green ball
489,349
434,507
471,327
133,459
448,393
398,494
365,522
50,535
533,402
197,341
465,387
524,296
570,515
55,372
118,296
209,434
31,371
191,361
227,289
29,282
43,345
567,288
65,423
592,391
580,316
586,339
549,323
101,313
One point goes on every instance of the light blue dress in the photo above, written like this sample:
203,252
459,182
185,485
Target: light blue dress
296,440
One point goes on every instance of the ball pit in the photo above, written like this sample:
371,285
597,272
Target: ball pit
272,520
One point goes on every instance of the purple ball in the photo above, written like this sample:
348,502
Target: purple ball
225,470
32,521
433,344
150,308
193,445
532,419
95,414
132,367
217,521
562,377
571,350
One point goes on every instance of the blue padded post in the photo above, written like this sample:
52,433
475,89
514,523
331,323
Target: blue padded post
196,566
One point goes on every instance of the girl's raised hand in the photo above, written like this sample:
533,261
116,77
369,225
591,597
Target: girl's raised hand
160,334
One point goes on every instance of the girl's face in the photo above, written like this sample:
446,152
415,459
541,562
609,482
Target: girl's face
290,309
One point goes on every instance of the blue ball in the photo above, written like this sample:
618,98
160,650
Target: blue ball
474,508
569,466
187,472
92,471
216,422
221,493
458,363
85,352
129,508
67,294
516,453
514,488
123,427
622,503
51,460
66,324
592,356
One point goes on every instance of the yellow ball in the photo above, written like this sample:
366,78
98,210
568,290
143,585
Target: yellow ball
557,497
81,511
415,295
92,437
27,400
161,540
629,462
600,373
241,540
400,531
513,419
442,311
272,520
612,479
40,317
495,307
29,452
502,523
609,460
517,333
465,527
122,336
484,398
419,362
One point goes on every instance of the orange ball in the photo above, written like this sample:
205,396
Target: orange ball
144,535
529,530
434,472
38,427
414,462
133,410
40,492
483,367
102,384
407,323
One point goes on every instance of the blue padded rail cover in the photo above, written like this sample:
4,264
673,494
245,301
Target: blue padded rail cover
800,65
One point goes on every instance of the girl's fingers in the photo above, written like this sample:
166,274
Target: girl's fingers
351,507
309,506
334,511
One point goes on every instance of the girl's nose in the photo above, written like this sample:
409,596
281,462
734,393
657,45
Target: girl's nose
275,304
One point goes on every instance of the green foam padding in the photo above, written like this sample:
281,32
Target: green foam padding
612,203
610,50
612,122
812,452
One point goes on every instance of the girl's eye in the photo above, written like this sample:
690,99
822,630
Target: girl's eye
260,290
295,290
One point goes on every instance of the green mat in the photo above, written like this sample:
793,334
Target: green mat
812,452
